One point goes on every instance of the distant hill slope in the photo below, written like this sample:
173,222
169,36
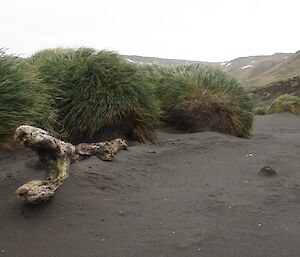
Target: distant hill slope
156,60
264,96
262,70
250,71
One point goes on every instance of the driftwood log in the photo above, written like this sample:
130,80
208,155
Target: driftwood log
56,157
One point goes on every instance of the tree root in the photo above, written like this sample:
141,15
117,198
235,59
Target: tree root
56,156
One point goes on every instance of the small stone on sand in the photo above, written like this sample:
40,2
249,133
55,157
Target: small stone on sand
267,171
121,213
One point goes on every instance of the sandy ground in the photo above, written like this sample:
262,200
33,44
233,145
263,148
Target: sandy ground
191,195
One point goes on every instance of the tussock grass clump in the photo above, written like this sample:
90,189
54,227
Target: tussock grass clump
259,111
22,98
198,98
285,103
98,93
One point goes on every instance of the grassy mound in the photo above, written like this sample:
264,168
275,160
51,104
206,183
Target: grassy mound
285,103
198,98
22,98
98,93
259,111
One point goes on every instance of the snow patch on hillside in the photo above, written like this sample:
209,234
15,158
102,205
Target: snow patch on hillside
134,61
247,66
225,64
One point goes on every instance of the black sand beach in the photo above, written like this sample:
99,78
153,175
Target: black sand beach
190,195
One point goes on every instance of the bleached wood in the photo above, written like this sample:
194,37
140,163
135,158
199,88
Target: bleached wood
56,157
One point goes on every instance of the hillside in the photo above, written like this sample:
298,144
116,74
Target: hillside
262,70
250,71
264,96
156,60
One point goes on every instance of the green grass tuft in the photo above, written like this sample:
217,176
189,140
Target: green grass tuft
259,111
98,93
23,99
199,98
285,103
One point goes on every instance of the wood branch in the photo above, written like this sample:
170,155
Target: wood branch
103,150
56,156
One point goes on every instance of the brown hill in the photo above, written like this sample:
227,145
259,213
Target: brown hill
156,60
264,96
250,71
262,70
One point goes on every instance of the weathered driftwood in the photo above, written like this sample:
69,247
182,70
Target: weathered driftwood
56,156
103,150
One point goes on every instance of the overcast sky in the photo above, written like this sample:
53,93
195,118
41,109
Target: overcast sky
204,30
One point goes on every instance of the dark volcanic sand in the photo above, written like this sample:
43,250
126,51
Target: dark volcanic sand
191,195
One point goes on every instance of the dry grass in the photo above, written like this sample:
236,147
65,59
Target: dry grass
198,98
285,103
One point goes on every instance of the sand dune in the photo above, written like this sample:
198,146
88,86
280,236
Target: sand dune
190,195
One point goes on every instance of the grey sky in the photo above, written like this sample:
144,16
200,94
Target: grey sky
206,30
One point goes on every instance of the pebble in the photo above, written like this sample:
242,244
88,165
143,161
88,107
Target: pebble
267,171
121,213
